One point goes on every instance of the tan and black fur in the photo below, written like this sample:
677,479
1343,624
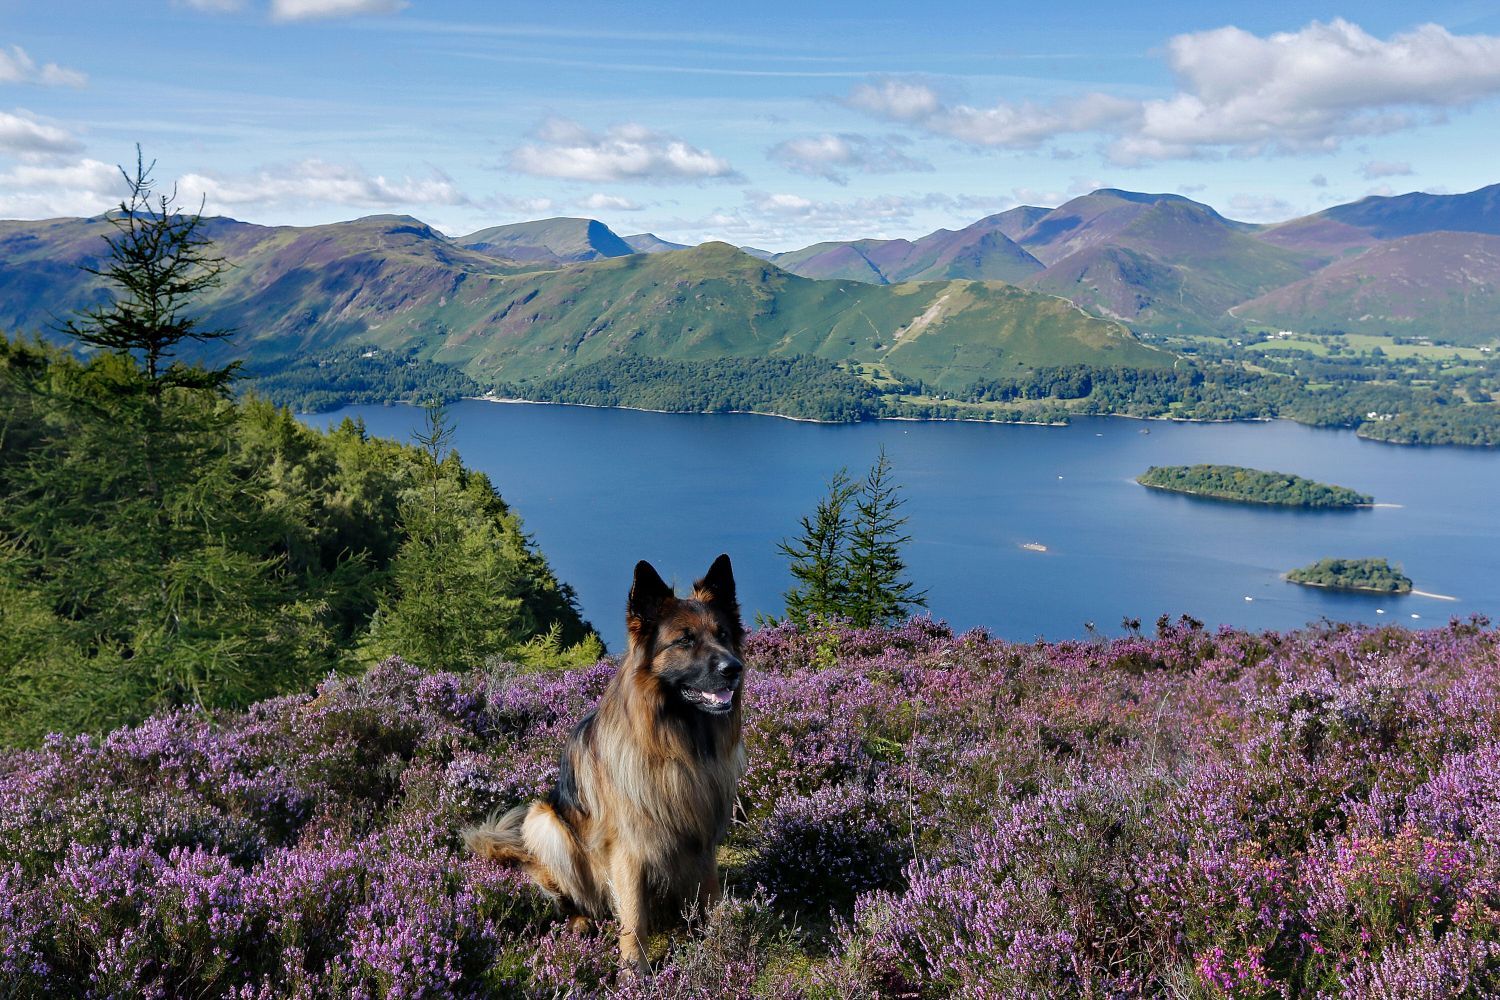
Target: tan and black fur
646,783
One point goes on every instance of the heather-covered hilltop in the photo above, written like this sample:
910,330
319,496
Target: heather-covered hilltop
926,814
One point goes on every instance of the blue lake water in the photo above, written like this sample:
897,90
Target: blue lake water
600,489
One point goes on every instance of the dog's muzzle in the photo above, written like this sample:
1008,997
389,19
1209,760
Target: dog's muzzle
716,702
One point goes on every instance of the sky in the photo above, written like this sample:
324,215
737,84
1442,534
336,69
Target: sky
773,125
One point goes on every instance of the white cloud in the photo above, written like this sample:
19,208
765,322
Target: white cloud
1239,94
16,66
1318,181
41,191
318,182
1376,169
1308,90
831,155
1038,196
897,99
1260,208
1022,125
1083,185
626,152
598,202
24,133
533,207
307,10
779,219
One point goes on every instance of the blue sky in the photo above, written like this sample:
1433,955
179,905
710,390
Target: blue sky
773,124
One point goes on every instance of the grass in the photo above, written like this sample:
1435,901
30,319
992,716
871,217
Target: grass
1366,343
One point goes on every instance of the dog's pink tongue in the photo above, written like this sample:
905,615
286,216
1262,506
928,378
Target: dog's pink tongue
720,697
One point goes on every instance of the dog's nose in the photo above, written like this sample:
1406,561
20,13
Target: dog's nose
730,668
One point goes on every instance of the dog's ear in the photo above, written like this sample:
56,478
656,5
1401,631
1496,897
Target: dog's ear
717,590
649,594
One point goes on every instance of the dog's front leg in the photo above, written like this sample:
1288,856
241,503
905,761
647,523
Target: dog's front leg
627,880
708,888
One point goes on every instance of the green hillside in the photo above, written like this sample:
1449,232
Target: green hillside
393,283
980,252
714,301
549,239
1437,284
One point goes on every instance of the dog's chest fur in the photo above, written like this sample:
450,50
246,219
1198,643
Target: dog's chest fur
675,791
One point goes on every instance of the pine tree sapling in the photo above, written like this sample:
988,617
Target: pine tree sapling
847,562
819,556
878,591
453,602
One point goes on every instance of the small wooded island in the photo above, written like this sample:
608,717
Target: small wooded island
1240,485
1369,575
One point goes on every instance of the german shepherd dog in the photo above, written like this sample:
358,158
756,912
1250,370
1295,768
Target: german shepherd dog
646,783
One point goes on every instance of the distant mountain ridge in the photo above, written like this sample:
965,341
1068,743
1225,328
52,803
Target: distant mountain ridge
530,299
393,283
1447,281
651,243
561,240
981,252
1164,264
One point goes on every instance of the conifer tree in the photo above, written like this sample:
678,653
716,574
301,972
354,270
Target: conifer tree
819,557
453,602
134,524
158,262
879,592
847,560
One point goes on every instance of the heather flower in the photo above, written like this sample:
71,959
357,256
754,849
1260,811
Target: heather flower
821,850
1198,813
1453,966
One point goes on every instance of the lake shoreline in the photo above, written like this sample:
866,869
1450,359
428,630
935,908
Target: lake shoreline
915,420
778,416
1362,590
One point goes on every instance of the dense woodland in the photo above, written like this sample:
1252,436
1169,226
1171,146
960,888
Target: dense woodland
791,387
1381,401
355,376
1400,412
1236,483
211,553
1375,575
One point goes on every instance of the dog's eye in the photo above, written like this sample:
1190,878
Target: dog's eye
723,635
686,640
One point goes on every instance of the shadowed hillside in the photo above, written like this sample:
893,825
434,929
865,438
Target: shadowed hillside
553,240
1414,285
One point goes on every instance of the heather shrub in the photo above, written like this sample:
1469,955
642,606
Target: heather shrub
1195,814
822,850
1449,968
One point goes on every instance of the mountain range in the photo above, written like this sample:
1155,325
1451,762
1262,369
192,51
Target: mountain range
394,283
1091,281
1164,264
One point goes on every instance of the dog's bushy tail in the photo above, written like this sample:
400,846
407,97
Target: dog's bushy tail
500,839
534,839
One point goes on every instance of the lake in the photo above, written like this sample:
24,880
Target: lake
599,489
